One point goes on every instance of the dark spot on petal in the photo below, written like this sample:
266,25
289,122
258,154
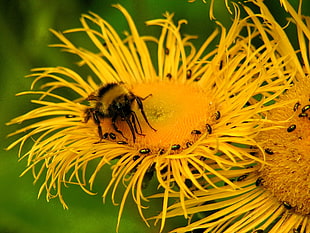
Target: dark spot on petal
175,147
112,136
287,205
196,132
209,128
269,151
144,151
291,128
296,106
305,108
217,115
122,142
259,181
105,135
188,74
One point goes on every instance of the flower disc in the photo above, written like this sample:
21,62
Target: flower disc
287,152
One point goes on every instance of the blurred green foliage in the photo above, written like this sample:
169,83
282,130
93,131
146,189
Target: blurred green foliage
24,39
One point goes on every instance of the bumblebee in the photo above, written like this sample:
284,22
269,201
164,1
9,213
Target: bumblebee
115,101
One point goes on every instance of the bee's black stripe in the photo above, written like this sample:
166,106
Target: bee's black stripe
106,88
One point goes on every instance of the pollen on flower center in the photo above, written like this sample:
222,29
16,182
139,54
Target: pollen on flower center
180,113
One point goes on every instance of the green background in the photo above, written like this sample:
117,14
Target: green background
24,37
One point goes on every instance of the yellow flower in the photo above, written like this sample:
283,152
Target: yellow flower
275,196
187,122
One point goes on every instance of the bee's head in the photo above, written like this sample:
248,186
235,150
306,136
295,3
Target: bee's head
92,97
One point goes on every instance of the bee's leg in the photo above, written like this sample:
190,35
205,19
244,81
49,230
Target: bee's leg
140,105
96,119
135,119
88,114
129,123
100,132
116,128
145,97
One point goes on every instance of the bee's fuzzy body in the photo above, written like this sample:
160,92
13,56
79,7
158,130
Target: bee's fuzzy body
115,101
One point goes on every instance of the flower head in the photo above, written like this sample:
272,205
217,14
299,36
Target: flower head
275,196
187,123
287,175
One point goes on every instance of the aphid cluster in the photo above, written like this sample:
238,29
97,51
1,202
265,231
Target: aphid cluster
145,151
303,114
115,101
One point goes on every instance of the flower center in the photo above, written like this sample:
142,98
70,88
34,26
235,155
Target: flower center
179,113
287,150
